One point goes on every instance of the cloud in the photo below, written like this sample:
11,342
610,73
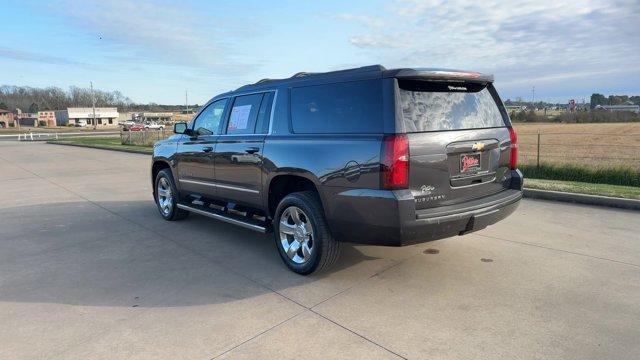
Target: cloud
378,41
20,55
161,32
361,19
537,40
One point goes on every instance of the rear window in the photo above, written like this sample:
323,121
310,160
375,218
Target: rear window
430,106
342,108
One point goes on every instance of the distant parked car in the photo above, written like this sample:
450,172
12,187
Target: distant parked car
154,126
136,127
80,123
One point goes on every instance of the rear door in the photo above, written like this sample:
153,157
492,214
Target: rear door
458,140
238,155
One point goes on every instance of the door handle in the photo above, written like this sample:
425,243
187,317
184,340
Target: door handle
207,149
252,150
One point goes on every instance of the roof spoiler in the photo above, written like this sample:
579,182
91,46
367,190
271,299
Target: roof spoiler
443,75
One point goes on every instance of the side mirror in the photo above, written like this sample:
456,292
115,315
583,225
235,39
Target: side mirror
180,128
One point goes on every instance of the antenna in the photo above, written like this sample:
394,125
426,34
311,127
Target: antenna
533,95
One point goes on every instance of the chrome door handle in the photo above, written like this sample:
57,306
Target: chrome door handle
252,150
207,149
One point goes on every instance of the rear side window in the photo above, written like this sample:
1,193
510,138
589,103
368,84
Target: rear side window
244,113
342,108
264,115
430,106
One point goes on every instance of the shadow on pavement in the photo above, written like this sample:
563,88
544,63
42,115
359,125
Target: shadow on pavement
123,254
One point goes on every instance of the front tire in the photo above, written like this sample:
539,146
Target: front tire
302,235
167,197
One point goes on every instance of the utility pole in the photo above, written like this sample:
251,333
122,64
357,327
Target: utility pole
93,105
186,101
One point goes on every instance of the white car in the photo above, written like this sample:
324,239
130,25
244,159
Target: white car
154,126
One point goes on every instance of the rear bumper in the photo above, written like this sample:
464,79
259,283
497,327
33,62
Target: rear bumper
388,218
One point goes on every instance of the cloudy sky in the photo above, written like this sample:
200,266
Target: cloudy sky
154,50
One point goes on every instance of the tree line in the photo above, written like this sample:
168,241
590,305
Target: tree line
599,99
29,99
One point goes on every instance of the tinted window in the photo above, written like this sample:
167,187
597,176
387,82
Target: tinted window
264,115
242,119
343,108
208,121
446,106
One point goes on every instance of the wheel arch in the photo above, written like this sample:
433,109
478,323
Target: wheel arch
156,167
283,184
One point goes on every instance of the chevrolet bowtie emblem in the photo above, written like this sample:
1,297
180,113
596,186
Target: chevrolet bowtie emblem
478,146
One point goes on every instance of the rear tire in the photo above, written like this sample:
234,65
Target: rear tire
302,235
166,195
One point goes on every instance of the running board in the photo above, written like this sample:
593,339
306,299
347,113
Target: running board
228,218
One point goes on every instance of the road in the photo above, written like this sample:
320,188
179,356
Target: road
89,270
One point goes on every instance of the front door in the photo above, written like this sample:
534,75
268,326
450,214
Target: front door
238,158
195,154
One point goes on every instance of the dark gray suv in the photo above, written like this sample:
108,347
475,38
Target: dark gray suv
366,155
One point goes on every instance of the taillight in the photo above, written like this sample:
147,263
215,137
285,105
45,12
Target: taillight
395,162
513,160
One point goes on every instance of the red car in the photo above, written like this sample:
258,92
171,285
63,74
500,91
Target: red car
136,127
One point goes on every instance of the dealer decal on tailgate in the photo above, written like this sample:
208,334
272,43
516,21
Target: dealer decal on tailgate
469,162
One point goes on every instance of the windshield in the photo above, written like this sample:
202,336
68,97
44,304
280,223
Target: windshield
429,106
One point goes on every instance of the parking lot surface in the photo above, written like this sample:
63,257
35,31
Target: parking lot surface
88,269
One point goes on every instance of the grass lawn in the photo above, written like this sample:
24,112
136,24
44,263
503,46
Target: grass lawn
629,192
109,143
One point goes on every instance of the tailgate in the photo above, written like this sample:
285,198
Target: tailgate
453,167
458,141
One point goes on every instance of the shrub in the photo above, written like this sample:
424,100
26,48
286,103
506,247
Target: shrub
42,123
12,125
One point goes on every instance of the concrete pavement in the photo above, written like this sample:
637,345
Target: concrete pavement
89,270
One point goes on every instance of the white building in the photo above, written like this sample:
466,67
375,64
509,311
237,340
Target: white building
105,117
632,108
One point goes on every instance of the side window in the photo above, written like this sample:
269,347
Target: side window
262,125
244,114
341,108
208,121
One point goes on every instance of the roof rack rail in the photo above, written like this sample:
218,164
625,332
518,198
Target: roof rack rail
302,74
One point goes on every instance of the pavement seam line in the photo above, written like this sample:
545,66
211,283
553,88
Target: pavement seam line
259,334
559,250
391,266
359,335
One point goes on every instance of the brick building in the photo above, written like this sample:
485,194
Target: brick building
6,118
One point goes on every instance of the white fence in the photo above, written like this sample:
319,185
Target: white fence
44,136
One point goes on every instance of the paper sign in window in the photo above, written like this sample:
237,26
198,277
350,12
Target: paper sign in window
239,117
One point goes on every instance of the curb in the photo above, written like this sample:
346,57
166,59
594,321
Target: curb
101,148
608,201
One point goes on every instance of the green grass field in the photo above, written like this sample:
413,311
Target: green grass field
109,143
629,192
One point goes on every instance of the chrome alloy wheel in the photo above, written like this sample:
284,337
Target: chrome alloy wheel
296,235
165,196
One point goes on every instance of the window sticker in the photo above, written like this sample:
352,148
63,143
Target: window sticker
239,117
